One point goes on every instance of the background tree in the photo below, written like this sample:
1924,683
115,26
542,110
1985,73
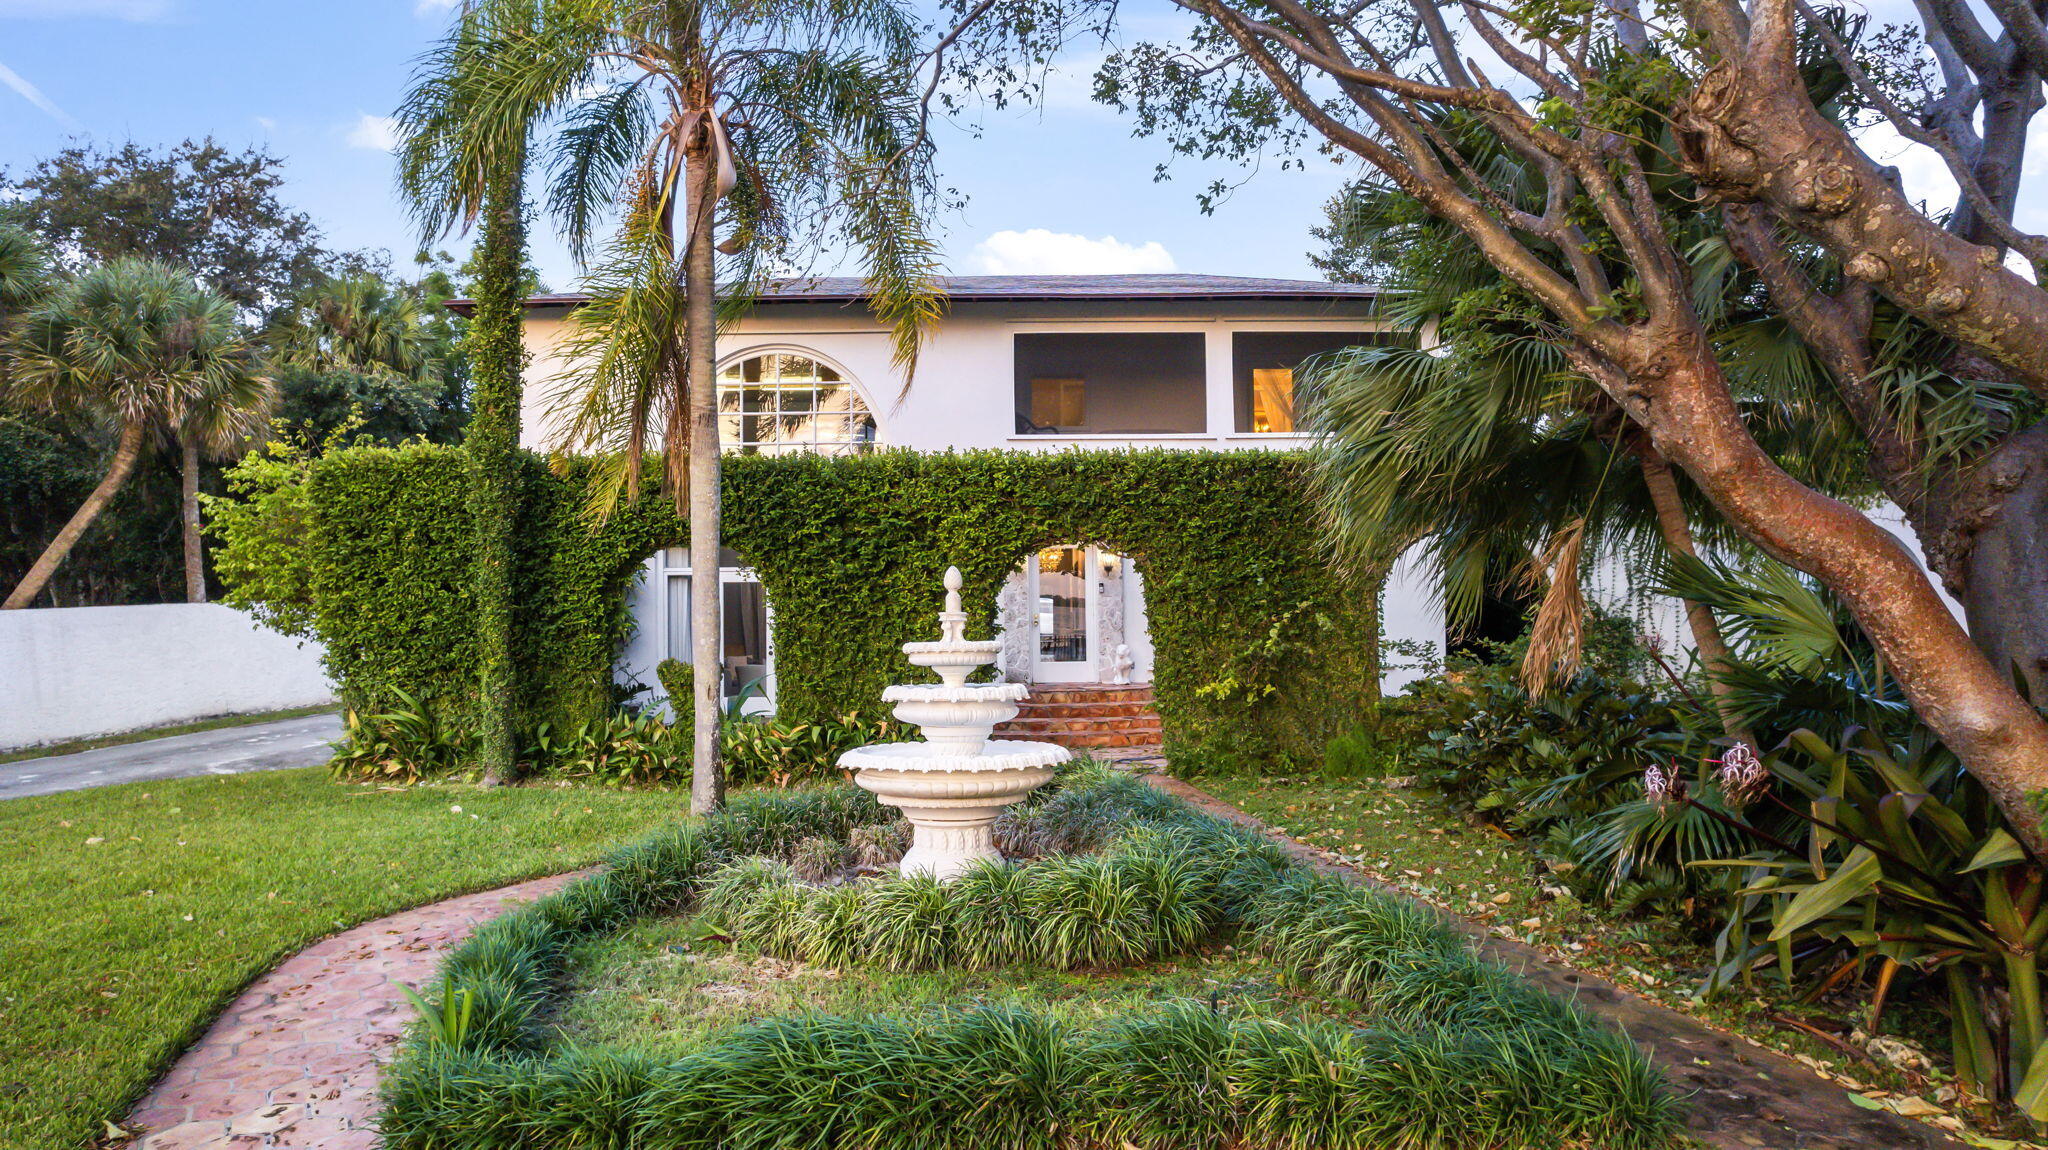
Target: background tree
215,418
195,204
135,343
784,128
24,273
380,355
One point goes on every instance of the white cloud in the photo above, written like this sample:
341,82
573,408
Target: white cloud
34,95
426,9
1038,251
377,133
136,11
1922,172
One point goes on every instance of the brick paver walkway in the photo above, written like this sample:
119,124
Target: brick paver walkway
294,1062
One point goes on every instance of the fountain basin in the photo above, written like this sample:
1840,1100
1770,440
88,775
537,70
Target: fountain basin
952,798
956,720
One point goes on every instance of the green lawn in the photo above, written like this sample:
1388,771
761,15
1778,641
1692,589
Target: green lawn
130,915
661,987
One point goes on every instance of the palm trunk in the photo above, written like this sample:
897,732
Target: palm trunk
492,443
700,334
125,454
1676,530
188,511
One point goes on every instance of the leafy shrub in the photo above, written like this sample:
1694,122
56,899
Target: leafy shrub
879,844
409,743
1363,754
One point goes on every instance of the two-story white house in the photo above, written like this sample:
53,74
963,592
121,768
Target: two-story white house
1030,363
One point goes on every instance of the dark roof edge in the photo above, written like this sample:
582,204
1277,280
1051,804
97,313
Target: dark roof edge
1334,293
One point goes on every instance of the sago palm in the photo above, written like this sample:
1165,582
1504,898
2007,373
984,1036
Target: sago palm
677,130
141,345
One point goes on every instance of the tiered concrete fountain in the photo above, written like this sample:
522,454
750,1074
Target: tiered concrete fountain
952,785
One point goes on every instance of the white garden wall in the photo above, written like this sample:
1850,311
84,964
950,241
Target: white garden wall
75,672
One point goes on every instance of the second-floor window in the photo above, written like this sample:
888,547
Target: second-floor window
783,402
1111,383
1264,364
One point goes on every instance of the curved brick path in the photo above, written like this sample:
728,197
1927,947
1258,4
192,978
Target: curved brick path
293,1062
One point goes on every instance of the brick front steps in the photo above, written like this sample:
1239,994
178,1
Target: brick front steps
1086,716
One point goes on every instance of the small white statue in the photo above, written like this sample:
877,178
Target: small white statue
1121,664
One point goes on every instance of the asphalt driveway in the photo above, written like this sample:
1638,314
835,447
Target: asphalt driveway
300,742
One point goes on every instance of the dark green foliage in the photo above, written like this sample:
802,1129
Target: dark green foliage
495,352
1533,760
48,465
1462,1053
850,551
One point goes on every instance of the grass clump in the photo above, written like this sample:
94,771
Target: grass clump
1444,1050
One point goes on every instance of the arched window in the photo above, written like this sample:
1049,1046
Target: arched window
782,402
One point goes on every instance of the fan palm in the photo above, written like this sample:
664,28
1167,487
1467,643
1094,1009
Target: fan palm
785,128
1496,456
353,323
24,270
141,345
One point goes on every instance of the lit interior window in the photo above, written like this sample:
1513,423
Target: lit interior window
782,403
1272,399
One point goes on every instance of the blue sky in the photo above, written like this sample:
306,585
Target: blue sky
1061,188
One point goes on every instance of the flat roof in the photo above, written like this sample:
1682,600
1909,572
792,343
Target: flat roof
993,289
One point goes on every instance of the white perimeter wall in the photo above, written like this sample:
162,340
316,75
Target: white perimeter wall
74,672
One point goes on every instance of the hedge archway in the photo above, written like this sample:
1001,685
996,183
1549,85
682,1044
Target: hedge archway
1262,650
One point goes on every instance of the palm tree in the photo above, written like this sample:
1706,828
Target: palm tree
1502,461
783,127
352,323
141,345
24,271
214,418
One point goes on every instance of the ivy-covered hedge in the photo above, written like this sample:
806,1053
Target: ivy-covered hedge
1262,650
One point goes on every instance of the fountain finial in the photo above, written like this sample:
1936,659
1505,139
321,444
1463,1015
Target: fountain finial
953,620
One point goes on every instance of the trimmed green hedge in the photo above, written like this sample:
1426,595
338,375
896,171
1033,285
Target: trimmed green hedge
1262,651
1458,1054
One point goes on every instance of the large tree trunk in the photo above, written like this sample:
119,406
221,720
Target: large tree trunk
1676,531
1750,133
1983,530
188,514
492,443
1997,559
1676,390
700,335
126,452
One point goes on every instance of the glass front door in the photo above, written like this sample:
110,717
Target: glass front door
1063,598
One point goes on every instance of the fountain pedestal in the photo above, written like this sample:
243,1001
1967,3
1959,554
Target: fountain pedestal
952,785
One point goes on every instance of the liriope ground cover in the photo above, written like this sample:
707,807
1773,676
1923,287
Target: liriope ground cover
1428,1046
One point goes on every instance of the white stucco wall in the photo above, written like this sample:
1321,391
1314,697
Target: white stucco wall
75,672
964,393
